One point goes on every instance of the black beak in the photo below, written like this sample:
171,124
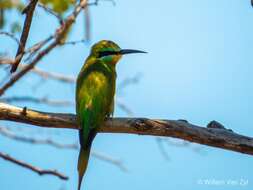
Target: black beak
128,51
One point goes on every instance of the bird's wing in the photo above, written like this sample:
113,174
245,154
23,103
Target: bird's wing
94,99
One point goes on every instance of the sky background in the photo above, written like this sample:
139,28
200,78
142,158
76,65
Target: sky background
199,67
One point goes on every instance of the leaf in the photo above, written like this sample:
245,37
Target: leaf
59,6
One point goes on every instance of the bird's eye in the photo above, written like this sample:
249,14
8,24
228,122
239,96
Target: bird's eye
106,53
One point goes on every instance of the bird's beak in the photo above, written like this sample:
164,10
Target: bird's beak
128,51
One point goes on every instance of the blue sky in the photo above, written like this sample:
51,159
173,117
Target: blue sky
199,68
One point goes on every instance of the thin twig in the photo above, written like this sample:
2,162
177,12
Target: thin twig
33,168
50,11
183,144
11,135
57,76
109,159
26,28
161,148
35,48
7,133
42,73
96,2
124,107
23,71
12,36
178,143
129,81
74,42
43,100
32,50
69,78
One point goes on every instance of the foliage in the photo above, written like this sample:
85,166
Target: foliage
59,7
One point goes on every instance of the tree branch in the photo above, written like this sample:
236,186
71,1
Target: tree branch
29,9
213,135
46,101
33,168
110,160
11,135
58,36
48,141
50,11
43,100
42,73
12,36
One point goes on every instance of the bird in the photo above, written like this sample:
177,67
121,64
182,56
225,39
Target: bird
95,91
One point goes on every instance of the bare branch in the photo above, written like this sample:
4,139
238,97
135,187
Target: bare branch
7,133
52,75
182,143
33,168
74,42
211,136
11,135
96,2
59,35
124,107
43,100
69,78
164,153
12,36
42,73
23,71
32,50
50,11
26,28
109,159
36,47
129,81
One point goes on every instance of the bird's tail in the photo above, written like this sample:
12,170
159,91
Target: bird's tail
83,159
84,153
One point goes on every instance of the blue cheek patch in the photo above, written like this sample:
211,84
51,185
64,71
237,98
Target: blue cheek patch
108,58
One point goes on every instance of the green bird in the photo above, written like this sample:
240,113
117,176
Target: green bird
95,95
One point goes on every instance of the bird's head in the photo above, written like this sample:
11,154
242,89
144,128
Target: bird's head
109,52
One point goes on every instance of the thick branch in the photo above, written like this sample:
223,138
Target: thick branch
213,135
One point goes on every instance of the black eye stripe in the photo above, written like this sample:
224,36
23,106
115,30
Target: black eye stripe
105,53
